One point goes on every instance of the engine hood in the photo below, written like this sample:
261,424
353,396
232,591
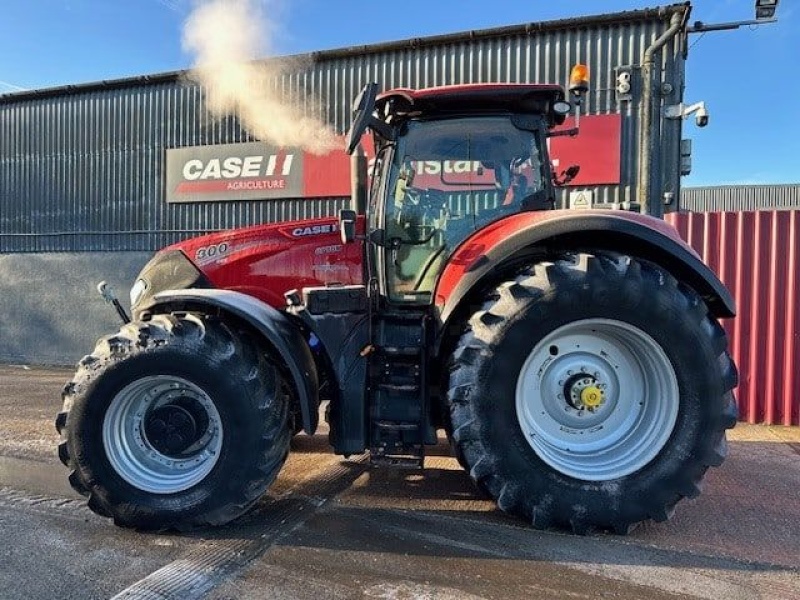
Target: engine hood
265,261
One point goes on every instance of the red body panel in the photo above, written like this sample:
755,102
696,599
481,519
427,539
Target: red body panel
474,247
266,261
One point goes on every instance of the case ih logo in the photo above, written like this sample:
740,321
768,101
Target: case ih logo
314,230
251,171
257,172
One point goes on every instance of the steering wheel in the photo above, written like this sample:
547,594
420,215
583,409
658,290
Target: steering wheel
419,213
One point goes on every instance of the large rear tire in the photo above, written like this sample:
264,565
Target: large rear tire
174,423
591,392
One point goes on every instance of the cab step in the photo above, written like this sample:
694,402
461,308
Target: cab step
398,408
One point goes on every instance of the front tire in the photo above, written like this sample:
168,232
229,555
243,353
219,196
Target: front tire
591,392
174,423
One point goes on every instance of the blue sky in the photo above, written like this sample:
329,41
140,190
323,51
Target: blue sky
747,77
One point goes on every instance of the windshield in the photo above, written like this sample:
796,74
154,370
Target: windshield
447,179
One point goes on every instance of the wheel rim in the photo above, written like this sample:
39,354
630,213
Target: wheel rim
597,399
162,434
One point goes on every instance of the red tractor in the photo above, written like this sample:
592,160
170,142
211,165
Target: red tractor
573,358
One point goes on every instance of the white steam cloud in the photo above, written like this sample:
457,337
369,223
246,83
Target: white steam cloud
226,37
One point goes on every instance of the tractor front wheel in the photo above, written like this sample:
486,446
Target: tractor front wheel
593,391
174,423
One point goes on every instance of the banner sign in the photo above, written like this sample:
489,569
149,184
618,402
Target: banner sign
253,171
257,171
597,149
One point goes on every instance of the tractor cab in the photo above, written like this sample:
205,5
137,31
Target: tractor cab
449,161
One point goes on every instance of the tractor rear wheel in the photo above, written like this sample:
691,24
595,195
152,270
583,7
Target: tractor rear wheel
593,391
174,423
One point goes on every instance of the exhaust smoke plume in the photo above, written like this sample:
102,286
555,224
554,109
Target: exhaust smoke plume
225,37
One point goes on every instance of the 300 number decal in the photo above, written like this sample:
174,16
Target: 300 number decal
211,251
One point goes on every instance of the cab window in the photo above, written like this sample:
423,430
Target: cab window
447,179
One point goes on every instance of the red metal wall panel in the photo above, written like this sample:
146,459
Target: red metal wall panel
757,255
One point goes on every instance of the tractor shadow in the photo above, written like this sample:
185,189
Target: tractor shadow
745,522
747,519
310,444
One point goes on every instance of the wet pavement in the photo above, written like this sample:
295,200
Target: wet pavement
335,528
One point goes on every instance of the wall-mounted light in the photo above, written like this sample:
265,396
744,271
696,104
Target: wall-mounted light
765,9
765,13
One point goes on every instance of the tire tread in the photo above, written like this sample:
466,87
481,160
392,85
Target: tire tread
237,355
603,271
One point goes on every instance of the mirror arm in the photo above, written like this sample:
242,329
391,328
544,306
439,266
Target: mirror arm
563,132
383,129
377,237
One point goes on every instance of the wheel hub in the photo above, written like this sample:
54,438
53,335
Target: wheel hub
584,392
592,397
171,429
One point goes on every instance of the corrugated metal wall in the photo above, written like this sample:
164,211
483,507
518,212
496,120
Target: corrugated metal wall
85,171
727,198
757,255
82,168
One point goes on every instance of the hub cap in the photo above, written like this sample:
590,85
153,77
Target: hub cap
162,434
597,399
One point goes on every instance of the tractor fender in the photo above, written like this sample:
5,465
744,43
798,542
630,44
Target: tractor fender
274,326
506,242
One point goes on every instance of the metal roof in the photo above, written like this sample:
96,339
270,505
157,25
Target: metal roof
629,16
729,198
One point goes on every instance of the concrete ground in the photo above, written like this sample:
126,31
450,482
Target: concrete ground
330,528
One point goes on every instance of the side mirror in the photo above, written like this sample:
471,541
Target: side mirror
363,106
347,225
363,117
567,175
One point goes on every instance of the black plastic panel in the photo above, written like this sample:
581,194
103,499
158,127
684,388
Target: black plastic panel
340,299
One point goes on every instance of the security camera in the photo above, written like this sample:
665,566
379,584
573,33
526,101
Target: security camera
682,111
701,118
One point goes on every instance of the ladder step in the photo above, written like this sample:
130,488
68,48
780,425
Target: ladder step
397,426
398,461
402,316
400,351
393,387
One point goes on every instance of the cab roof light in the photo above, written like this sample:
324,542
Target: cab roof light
579,79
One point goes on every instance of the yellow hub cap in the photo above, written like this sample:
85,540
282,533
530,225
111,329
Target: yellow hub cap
592,396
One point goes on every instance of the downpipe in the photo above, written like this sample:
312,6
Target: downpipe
648,137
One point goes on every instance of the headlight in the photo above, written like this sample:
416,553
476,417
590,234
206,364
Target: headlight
137,291
167,270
